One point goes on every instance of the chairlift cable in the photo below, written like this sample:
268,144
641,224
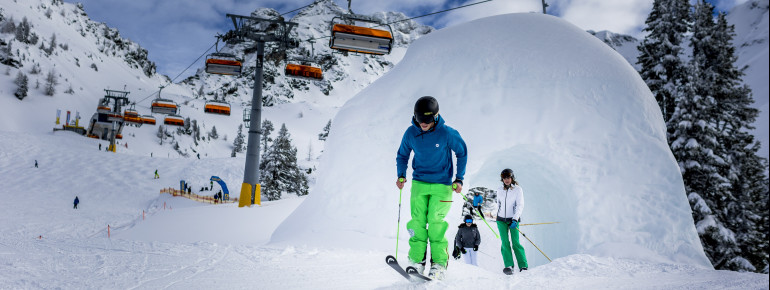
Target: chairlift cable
188,67
442,11
402,20
297,9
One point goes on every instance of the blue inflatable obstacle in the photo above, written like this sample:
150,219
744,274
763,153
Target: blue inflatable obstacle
221,182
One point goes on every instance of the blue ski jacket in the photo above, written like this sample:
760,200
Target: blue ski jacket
432,161
477,200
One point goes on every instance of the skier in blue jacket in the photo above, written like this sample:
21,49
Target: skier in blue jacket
431,195
477,201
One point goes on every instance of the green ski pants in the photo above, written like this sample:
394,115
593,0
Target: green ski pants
505,249
430,203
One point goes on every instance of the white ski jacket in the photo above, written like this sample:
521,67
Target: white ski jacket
510,203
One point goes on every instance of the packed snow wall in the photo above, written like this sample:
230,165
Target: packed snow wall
530,92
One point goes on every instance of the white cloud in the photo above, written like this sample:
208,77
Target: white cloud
625,17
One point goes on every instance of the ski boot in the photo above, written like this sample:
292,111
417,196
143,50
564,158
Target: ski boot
508,270
420,267
437,272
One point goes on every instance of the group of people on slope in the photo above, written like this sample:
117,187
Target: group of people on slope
433,142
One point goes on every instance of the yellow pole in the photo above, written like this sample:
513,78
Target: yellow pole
533,224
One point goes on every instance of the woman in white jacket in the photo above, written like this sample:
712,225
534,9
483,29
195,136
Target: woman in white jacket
510,203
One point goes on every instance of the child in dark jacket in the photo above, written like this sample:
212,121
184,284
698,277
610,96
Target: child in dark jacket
467,241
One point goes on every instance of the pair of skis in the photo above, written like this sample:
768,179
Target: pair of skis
410,273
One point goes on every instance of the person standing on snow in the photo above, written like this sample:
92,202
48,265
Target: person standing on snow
156,174
478,200
467,241
35,163
431,194
76,202
510,204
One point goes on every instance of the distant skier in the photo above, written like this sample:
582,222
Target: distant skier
76,202
100,146
199,156
189,190
467,241
211,185
431,195
478,200
510,204
35,163
156,174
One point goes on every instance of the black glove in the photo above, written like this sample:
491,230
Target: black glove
456,253
475,248
463,250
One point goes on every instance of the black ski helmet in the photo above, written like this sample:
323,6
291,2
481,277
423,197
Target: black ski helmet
507,173
426,110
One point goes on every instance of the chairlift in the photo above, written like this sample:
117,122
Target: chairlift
148,119
131,115
174,120
217,107
164,106
223,64
352,38
304,72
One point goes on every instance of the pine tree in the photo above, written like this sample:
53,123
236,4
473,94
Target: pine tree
50,83
22,83
733,117
238,142
160,134
279,168
213,134
661,51
325,133
23,31
267,129
694,140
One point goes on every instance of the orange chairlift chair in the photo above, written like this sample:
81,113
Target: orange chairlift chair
223,64
352,38
217,107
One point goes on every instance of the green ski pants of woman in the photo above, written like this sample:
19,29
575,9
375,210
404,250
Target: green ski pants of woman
430,203
505,249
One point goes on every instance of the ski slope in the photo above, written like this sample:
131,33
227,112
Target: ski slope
564,111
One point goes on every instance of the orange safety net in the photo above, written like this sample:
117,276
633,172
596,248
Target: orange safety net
196,197
358,30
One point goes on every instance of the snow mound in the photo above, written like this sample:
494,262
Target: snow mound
531,92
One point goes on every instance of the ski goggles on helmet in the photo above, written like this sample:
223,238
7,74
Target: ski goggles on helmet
470,221
425,118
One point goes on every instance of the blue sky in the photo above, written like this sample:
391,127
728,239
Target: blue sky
176,32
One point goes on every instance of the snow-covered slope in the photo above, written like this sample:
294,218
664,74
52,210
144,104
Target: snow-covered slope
752,44
572,118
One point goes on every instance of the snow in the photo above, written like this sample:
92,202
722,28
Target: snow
572,119
753,49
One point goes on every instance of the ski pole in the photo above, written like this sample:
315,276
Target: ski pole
534,224
530,241
454,186
398,229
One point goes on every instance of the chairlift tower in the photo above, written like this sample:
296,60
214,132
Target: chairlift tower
120,100
260,31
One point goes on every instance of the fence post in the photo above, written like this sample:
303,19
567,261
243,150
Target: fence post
108,231
142,214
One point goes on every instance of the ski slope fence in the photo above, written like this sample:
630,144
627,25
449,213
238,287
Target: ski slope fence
195,197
